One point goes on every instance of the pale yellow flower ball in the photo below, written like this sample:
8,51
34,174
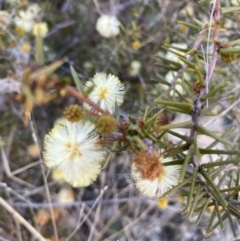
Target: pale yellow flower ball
108,26
108,92
135,67
73,149
40,29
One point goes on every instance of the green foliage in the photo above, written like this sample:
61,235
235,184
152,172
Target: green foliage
178,59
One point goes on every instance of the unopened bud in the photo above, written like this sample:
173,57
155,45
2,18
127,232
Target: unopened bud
197,87
73,113
162,119
106,124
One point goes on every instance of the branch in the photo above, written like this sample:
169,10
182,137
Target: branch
216,10
83,98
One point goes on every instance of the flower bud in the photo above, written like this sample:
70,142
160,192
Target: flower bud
73,113
162,203
197,87
106,125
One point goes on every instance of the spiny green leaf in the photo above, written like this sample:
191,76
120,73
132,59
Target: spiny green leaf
214,190
180,105
185,164
231,224
210,230
192,26
214,91
197,197
210,222
202,211
77,80
187,125
181,137
218,214
207,132
229,51
220,163
192,189
230,9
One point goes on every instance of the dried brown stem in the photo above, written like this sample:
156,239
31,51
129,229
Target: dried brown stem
21,220
83,98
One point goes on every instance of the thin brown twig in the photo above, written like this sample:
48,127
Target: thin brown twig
96,107
80,203
35,139
83,98
21,220
88,213
198,103
7,169
130,225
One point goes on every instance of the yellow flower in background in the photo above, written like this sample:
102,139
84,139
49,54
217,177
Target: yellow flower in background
34,10
108,26
135,67
19,31
26,47
162,203
40,29
152,178
73,149
136,45
182,28
108,91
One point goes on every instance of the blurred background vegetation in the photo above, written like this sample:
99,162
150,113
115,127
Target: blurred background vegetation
137,56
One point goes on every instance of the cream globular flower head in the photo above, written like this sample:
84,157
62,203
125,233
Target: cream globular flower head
108,91
108,26
40,29
34,9
73,149
26,19
135,67
152,178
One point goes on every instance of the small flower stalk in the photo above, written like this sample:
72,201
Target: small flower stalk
152,178
39,31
